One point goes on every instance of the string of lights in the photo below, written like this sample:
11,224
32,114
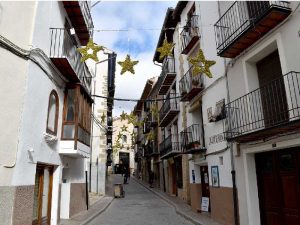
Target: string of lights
136,100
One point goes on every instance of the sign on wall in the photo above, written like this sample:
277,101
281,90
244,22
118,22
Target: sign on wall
204,204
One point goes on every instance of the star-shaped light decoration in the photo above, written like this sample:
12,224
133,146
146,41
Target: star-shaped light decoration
154,110
90,51
119,136
151,136
123,116
127,65
131,118
103,117
201,65
165,49
124,128
117,145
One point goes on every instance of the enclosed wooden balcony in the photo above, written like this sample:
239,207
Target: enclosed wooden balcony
190,85
170,146
64,55
191,140
81,19
169,110
168,75
273,109
190,34
245,22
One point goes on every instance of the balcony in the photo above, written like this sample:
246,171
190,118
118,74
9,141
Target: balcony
64,55
270,110
192,140
245,22
170,147
190,86
167,75
81,19
189,35
169,110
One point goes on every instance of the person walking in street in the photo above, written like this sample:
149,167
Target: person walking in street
126,174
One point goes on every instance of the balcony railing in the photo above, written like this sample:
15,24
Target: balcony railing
64,54
274,105
169,110
190,85
245,22
190,34
170,146
81,19
192,139
167,75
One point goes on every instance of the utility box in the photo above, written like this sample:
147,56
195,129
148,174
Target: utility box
119,191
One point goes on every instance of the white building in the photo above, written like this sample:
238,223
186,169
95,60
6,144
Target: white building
46,103
262,41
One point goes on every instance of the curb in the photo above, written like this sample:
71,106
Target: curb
85,222
177,210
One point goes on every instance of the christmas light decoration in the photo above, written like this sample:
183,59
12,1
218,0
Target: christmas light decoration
90,51
201,65
127,65
165,49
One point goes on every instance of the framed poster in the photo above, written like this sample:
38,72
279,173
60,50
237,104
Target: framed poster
215,176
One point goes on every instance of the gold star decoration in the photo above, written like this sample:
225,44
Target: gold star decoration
131,118
123,116
103,117
119,136
124,128
201,65
90,51
127,65
151,136
165,49
117,145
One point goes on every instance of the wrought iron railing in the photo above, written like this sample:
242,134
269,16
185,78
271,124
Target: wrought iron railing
275,103
63,46
189,81
191,138
85,9
170,145
168,65
171,103
241,16
190,30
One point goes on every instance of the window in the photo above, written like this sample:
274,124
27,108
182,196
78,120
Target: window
77,115
52,117
124,139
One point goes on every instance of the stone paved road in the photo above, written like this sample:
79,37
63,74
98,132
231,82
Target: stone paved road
139,207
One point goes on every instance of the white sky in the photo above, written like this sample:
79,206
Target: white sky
140,44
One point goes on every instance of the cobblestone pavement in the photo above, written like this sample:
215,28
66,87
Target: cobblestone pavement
139,207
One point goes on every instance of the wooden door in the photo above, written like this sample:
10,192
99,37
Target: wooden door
279,187
42,195
273,95
205,182
174,186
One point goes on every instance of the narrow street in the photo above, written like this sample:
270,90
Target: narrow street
139,207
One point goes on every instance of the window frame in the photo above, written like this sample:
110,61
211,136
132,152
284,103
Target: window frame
82,101
48,130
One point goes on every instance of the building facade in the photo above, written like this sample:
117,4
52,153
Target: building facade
232,139
46,95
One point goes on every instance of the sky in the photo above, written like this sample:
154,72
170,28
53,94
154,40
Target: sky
139,44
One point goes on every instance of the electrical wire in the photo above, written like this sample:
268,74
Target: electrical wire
136,100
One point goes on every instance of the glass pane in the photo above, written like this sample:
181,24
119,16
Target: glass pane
70,105
69,131
286,162
45,192
52,111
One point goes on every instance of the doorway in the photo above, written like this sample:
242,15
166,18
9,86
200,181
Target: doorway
278,184
204,182
42,195
272,90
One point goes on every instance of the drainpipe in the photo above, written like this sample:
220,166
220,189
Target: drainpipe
230,146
